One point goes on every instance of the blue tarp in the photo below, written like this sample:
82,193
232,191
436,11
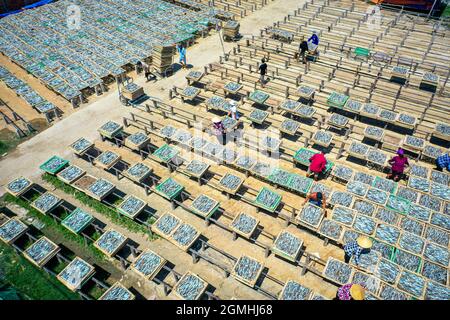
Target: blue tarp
30,6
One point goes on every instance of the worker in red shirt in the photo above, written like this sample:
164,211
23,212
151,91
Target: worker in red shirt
317,165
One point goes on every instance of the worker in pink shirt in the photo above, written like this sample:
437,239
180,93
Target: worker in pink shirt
317,165
399,162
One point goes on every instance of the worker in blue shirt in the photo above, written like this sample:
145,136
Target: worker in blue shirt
443,161
356,248
182,52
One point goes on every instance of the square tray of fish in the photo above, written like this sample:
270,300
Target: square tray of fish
357,188
259,96
432,151
244,162
412,226
437,235
232,87
267,199
196,168
400,71
77,220
337,100
107,159
350,235
370,110
430,202
440,177
247,270
322,138
387,233
440,191
204,206
213,149
190,92
76,273
408,194
337,271
436,291
40,252
117,292
419,212
110,242
331,229
169,189
293,290
19,186
258,116
411,283
358,150
437,254
303,155
182,136
131,206
320,187
311,215
244,225
166,225
342,172
364,207
53,165
384,249
194,75
407,260
419,171
230,183
190,287
341,198
100,189
442,130
165,153
138,172
434,272
70,174
299,183
12,229
430,78
184,236
412,243
289,105
137,140
215,102
406,120
306,91
419,184
377,157
229,123
46,202
148,264
261,169
110,129
398,204
167,131
80,146
387,271
343,215
316,296
45,107
364,224
374,133
388,115
280,177
414,143
363,178
289,126
353,106
387,216
390,293
370,283
270,143
377,196
305,111
197,143
287,245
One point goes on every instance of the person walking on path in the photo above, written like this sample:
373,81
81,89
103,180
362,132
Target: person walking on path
219,130
262,71
318,199
399,162
233,111
182,52
351,291
356,248
443,161
318,163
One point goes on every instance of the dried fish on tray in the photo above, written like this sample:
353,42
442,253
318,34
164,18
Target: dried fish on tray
148,264
303,155
110,129
293,290
440,191
267,199
107,159
331,229
262,169
370,283
258,116
320,187
342,172
412,226
436,253
407,193
194,75
244,224
436,291
165,153
387,233
343,215
358,150
19,186
167,131
377,157
390,293
353,106
289,126
182,136
406,119
197,143
40,252
341,198
76,273
419,212
364,207
165,225
80,146
437,235
431,151
270,143
337,100
350,235
53,165
131,206
388,115
434,272
385,184
289,105
419,171
411,283
46,202
387,271
229,123
440,177
213,149
430,202
407,260
337,271
280,177
311,215
377,196
77,221
398,204
169,189
190,287
322,138
137,140
190,92
184,236
337,120
70,174
196,168
374,133
384,249
413,143
364,224
299,183
370,110
387,216
110,242
357,188
117,292
411,242
287,245
230,183
247,270
363,178
244,162
419,184
232,87
305,111
204,206
259,96
100,189
138,172
12,230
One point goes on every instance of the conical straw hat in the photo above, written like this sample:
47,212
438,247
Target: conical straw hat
216,120
357,292
364,242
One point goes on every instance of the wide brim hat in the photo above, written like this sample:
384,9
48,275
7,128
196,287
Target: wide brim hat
216,120
364,242
357,292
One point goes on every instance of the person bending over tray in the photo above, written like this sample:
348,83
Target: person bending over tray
443,161
219,130
319,199
356,248
399,162
317,165
350,291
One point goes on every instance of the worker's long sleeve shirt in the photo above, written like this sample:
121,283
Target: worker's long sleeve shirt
353,249
444,161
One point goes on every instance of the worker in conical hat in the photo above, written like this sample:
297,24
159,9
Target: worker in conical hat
356,248
351,291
